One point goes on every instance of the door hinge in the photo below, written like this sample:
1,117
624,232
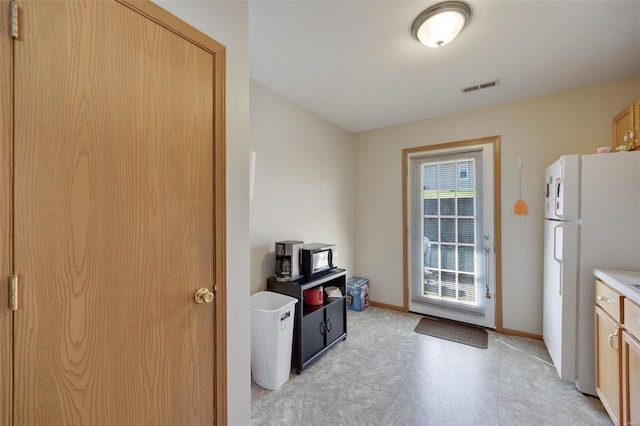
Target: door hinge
14,19
13,292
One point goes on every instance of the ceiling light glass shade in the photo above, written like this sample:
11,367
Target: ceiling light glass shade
441,23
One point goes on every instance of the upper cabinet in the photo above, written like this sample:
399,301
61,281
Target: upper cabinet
625,128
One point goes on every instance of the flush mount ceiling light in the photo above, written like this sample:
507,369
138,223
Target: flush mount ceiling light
441,23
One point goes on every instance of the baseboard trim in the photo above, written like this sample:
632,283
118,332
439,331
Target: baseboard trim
387,306
519,333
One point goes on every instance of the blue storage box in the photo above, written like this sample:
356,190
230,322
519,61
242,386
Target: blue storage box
357,293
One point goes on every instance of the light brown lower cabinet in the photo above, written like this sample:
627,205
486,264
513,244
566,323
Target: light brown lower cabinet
631,380
631,364
608,374
617,333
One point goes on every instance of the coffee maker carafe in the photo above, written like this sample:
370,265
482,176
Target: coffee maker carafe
288,260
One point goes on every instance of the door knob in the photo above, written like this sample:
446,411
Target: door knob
204,295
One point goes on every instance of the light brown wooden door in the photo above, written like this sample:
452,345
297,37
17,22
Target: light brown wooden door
114,219
6,200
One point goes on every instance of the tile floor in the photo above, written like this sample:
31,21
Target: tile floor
385,374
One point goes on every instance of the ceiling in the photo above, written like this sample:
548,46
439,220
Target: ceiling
356,64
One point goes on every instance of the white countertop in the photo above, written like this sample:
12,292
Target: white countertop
621,282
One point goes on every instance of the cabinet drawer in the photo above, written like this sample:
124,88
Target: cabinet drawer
609,300
632,318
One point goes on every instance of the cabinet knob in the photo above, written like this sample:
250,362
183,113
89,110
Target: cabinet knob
604,299
610,340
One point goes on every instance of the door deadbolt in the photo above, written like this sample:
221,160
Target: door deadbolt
204,295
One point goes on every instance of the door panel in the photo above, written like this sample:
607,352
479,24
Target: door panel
560,295
6,198
114,219
608,341
313,330
552,312
335,320
452,247
631,367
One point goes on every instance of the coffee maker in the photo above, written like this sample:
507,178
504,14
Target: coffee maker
288,260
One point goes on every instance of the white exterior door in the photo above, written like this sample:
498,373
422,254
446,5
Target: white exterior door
450,242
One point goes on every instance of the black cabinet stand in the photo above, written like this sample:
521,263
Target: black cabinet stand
316,328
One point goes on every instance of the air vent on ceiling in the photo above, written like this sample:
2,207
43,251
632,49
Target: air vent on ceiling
486,85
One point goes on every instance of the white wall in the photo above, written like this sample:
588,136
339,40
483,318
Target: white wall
303,182
228,23
537,130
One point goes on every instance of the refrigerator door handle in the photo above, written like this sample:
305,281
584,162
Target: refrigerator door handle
555,257
557,199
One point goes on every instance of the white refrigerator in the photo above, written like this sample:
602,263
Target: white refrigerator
592,220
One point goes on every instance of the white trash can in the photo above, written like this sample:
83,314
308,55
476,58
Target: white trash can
271,338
